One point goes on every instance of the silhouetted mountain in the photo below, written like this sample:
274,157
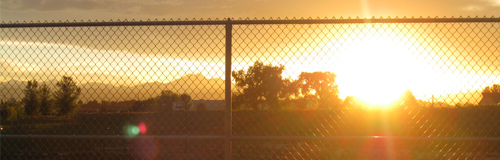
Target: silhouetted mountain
12,89
195,85
100,92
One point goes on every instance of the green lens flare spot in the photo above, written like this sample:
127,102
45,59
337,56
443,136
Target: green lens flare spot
131,130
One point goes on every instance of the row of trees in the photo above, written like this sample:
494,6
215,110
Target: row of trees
39,99
262,86
163,103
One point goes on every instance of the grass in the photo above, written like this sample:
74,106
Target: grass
471,121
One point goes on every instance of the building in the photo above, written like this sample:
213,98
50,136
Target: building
212,105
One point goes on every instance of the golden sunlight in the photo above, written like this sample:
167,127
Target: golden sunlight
378,62
373,72
377,69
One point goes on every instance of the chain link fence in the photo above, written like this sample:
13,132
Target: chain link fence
423,88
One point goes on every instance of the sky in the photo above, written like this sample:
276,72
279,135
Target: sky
422,56
62,10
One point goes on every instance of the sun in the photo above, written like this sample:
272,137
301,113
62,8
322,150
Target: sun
376,70
377,65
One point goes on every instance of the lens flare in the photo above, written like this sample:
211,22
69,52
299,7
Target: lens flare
382,147
131,130
142,128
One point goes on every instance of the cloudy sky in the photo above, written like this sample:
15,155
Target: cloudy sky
49,10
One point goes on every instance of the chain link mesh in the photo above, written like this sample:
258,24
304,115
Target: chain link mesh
397,90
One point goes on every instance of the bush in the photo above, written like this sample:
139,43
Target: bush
12,111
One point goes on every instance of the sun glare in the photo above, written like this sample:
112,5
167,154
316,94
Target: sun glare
377,70
377,65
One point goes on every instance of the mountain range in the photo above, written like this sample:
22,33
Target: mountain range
196,85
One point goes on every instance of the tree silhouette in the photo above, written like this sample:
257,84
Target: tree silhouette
259,84
66,95
31,98
290,89
166,99
187,101
290,92
45,100
408,100
240,100
491,95
11,110
493,89
322,85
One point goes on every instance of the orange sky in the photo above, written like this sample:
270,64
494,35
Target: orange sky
367,58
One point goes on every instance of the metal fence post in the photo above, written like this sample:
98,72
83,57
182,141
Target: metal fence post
227,110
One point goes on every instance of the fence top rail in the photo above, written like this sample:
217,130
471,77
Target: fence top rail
250,22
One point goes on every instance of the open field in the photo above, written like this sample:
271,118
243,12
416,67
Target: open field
350,125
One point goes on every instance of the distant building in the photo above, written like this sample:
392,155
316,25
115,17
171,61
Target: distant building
490,99
212,105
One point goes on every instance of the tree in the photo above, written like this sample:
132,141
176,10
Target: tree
66,96
322,86
241,101
491,95
493,89
166,99
187,101
259,84
290,89
45,100
31,98
408,100
14,111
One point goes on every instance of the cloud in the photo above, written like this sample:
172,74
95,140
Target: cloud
488,7
105,5
71,59
26,10
45,5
